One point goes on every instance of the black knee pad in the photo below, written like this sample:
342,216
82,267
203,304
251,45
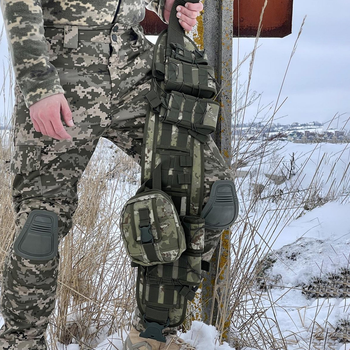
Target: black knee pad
221,211
38,239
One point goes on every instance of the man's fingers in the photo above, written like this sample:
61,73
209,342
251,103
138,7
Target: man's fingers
188,15
59,130
51,126
186,26
36,126
46,116
194,6
42,126
67,114
184,13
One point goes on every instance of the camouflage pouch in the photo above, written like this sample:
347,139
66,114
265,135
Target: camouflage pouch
151,228
190,112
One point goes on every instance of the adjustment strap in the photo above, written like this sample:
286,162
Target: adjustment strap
175,31
188,293
146,234
159,315
197,183
145,226
153,99
144,217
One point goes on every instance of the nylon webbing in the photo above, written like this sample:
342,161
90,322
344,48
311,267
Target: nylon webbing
157,315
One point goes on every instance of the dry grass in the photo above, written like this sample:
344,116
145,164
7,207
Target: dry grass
96,294
6,209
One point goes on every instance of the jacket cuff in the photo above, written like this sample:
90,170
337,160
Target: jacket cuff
32,98
38,82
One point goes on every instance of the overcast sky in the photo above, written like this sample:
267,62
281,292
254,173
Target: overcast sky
318,82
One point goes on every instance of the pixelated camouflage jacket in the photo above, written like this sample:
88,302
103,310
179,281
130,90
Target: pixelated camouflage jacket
24,24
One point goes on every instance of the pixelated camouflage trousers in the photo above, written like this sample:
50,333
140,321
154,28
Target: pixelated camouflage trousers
105,79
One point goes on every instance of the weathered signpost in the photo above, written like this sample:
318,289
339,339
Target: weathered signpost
222,20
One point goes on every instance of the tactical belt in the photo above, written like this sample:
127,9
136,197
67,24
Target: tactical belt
182,113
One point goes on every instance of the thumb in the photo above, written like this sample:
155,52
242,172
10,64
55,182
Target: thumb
66,113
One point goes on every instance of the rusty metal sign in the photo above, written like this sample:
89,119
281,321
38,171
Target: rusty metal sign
276,22
277,19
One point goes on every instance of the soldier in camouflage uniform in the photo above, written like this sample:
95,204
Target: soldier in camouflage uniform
82,70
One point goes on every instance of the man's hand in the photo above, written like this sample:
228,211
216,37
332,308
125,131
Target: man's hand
46,116
187,14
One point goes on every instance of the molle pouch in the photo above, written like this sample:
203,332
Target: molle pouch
182,67
151,229
164,290
189,112
189,78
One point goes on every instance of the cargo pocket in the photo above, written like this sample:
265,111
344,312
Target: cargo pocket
26,159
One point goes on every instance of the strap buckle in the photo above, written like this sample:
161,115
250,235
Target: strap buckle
154,330
146,234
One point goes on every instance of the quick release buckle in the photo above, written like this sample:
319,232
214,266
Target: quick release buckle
146,234
154,330
145,226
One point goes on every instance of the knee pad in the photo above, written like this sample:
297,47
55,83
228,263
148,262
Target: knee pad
38,239
221,210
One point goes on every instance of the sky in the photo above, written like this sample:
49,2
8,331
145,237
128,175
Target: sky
317,85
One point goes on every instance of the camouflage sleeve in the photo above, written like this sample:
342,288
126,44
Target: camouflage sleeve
35,75
157,6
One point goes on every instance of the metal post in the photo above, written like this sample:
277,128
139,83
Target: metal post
218,42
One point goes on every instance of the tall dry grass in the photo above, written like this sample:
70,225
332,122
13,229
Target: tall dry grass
265,210
96,283
6,102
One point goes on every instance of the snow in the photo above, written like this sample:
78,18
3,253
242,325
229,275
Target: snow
204,337
330,220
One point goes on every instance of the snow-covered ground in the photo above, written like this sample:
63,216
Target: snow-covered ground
323,242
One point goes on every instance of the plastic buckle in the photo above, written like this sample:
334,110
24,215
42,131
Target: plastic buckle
154,331
146,234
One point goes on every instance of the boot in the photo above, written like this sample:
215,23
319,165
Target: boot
173,342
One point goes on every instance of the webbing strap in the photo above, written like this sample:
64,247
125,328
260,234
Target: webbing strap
197,179
146,234
157,314
175,31
188,293
144,217
151,253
